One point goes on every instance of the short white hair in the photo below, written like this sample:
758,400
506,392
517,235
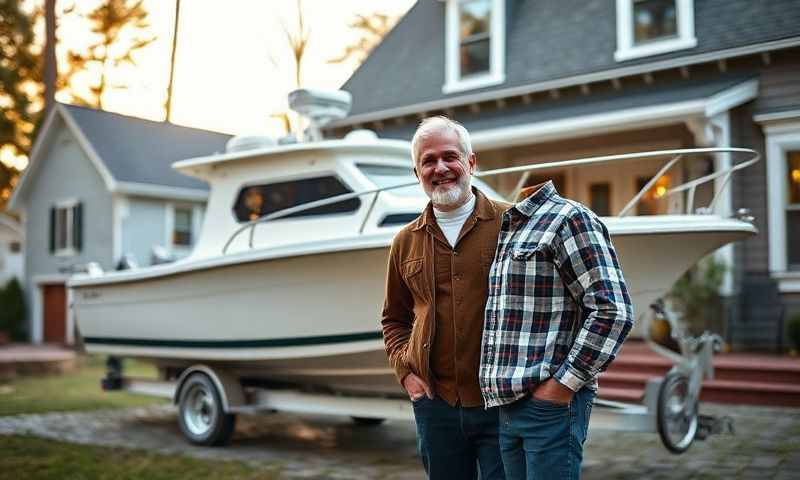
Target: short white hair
438,123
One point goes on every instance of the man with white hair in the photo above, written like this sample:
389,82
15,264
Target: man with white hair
433,314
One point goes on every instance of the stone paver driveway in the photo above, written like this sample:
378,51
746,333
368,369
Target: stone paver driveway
765,445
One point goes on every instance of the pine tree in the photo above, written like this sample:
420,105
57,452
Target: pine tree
121,30
372,27
20,87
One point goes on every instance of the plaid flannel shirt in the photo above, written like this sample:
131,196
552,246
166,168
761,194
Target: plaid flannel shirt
558,305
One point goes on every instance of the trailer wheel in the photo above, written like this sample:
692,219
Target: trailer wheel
200,414
677,413
367,421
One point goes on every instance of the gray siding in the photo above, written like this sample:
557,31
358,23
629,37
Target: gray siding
66,173
145,225
779,87
759,309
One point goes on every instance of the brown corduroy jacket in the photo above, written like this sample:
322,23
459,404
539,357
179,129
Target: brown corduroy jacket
409,311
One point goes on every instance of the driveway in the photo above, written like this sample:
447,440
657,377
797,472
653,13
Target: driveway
764,446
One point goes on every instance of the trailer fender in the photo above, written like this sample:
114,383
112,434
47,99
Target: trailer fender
228,385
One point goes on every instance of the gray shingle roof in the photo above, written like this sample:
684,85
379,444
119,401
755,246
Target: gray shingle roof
547,40
142,151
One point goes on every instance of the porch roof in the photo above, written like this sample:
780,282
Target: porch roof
594,114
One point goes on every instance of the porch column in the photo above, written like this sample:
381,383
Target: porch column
715,131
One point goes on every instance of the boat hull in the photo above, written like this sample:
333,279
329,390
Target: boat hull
313,319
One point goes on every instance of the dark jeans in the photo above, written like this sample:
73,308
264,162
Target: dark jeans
543,440
453,441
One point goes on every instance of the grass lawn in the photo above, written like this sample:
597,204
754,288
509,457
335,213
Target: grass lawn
78,390
35,458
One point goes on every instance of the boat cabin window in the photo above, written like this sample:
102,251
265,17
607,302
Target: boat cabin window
389,175
398,219
255,201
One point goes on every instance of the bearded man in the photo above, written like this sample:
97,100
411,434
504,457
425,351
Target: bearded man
433,314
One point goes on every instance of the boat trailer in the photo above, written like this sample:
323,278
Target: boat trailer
209,398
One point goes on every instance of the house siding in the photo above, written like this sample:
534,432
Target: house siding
10,263
67,173
779,85
756,325
144,225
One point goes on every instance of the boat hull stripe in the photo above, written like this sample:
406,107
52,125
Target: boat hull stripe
262,343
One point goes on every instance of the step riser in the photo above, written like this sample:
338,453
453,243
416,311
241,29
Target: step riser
742,375
711,393
775,399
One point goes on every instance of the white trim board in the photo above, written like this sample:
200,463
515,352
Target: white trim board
536,87
605,122
161,191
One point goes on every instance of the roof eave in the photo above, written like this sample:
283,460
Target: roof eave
565,82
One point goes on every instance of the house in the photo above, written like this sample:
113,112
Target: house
545,81
99,186
11,262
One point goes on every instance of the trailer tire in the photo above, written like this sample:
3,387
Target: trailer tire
676,409
201,416
368,421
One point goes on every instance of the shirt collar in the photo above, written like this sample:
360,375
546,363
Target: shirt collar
535,197
483,211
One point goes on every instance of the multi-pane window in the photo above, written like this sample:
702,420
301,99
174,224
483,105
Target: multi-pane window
793,209
182,227
474,43
654,20
600,198
259,200
653,27
65,228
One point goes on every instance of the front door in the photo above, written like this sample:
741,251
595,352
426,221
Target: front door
55,313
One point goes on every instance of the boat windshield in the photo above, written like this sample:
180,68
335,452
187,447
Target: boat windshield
389,175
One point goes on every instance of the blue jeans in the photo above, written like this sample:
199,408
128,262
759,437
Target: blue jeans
542,440
453,441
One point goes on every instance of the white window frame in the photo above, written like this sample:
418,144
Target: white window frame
627,50
69,249
781,138
497,50
169,224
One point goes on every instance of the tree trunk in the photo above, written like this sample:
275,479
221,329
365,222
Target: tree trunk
50,65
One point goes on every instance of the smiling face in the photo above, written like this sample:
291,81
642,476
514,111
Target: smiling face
443,169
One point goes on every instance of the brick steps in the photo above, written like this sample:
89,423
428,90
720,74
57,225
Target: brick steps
739,378
22,359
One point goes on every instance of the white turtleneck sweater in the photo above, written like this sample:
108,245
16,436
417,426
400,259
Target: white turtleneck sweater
452,221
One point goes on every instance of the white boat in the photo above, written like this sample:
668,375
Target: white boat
297,299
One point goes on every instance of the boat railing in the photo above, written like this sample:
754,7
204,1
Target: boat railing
676,155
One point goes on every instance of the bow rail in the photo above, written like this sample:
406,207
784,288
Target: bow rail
675,154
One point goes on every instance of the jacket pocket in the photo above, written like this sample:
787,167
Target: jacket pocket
414,276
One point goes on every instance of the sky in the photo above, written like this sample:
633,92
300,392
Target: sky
226,77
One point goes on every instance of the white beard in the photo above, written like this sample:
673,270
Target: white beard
453,196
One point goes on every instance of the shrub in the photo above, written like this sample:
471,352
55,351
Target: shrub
12,310
696,295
